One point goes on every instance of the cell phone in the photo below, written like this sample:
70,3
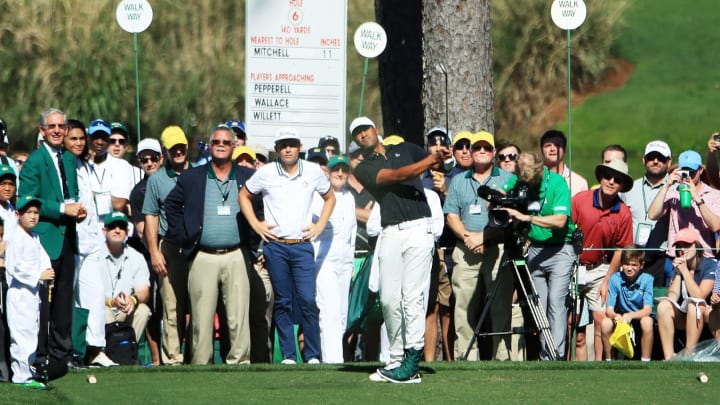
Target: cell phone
684,174
716,137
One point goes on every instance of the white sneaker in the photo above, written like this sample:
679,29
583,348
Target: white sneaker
103,360
314,360
376,377
288,362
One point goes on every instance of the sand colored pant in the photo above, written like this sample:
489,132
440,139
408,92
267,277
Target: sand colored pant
474,276
227,273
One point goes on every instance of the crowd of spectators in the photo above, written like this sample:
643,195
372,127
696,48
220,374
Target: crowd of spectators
260,251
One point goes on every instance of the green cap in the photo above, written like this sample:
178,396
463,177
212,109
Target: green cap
6,170
118,127
337,160
115,216
23,201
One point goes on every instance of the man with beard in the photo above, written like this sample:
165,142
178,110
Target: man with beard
646,232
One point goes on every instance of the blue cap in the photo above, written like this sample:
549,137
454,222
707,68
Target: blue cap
99,125
316,155
239,125
690,159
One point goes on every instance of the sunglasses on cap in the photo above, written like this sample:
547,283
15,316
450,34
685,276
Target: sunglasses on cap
507,156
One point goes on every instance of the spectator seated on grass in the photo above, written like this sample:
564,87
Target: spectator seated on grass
630,299
686,297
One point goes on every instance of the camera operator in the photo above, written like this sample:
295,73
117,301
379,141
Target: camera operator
476,257
550,255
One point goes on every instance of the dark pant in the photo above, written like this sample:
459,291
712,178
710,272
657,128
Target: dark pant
292,272
61,308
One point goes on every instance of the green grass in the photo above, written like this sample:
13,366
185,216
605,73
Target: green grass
673,94
493,382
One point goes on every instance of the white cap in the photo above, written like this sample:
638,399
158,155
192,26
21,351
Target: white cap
658,146
286,133
360,122
260,150
353,147
148,144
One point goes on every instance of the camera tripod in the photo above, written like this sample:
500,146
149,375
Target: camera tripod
527,293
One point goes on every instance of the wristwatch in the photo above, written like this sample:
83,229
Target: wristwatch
700,202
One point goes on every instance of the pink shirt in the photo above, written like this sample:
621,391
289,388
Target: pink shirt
690,218
576,182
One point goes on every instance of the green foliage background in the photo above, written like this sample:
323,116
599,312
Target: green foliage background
73,55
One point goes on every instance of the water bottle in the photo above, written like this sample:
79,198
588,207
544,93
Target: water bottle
685,196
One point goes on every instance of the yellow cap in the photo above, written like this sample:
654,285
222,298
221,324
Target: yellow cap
393,140
484,136
172,136
243,150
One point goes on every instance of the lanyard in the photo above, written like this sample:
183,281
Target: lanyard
119,268
224,188
100,180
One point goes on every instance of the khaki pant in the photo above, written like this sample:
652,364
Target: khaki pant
228,274
173,292
473,277
138,319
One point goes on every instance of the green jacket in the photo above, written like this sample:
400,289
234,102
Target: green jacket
39,178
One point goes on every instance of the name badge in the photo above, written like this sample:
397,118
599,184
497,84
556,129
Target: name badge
582,275
642,233
223,210
475,209
103,202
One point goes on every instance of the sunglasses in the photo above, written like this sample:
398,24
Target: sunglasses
287,144
462,145
510,156
19,162
655,156
148,159
115,225
117,141
58,126
486,148
615,179
218,142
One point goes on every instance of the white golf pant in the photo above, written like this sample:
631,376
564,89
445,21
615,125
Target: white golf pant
405,257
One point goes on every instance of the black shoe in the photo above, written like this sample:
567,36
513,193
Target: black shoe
74,364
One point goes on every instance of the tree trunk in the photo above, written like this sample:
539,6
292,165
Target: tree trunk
458,35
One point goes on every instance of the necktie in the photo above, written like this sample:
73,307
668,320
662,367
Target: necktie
61,167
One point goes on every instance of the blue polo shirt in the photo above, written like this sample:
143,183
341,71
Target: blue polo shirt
462,198
630,297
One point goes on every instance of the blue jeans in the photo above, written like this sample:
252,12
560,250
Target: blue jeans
551,269
292,272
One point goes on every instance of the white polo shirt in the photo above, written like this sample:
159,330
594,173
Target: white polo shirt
288,199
